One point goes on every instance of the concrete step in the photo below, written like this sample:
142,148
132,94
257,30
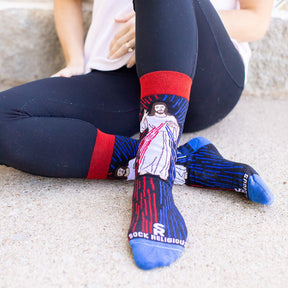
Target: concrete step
30,49
268,71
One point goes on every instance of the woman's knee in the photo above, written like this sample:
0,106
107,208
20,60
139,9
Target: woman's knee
209,106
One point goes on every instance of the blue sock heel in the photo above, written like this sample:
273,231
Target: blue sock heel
192,146
198,142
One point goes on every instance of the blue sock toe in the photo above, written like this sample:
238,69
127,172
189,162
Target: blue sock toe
258,191
150,254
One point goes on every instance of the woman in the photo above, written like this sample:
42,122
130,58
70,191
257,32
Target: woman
64,126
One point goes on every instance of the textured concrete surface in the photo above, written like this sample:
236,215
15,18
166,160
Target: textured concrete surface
72,233
29,48
269,63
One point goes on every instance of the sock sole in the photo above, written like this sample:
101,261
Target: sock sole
258,191
150,254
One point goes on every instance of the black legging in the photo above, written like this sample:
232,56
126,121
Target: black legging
49,122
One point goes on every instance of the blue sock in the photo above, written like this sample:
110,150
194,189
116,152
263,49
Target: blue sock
207,168
157,232
111,155
198,155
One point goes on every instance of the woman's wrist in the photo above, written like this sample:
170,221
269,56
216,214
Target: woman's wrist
76,60
75,63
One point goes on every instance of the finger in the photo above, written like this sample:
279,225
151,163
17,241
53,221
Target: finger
123,50
55,75
66,73
120,52
122,36
61,73
124,18
132,61
132,43
127,29
129,37
122,47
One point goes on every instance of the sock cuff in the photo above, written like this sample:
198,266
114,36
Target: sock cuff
166,82
102,155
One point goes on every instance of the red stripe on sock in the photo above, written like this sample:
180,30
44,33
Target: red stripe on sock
144,187
152,184
146,207
137,188
102,155
143,222
166,82
136,221
150,210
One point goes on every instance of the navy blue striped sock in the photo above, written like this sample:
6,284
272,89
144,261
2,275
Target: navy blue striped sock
124,150
207,168
111,155
199,164
157,232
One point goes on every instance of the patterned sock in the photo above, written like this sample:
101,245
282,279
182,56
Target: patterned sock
158,233
198,164
207,168
201,154
111,155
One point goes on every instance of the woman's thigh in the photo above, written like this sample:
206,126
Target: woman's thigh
219,75
108,100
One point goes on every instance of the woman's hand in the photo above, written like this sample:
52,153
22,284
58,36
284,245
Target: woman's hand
124,40
69,71
68,23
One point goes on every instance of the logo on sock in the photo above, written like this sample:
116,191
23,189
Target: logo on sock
158,235
244,188
158,229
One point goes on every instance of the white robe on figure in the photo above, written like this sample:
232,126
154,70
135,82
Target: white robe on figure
180,176
155,151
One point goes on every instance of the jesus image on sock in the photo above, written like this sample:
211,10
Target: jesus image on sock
155,149
122,172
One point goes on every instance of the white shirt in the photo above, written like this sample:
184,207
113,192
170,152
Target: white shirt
103,29
225,4
101,33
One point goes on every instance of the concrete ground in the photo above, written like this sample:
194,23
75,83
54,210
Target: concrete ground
72,233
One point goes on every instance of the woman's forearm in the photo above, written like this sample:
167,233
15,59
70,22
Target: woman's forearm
250,22
69,26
